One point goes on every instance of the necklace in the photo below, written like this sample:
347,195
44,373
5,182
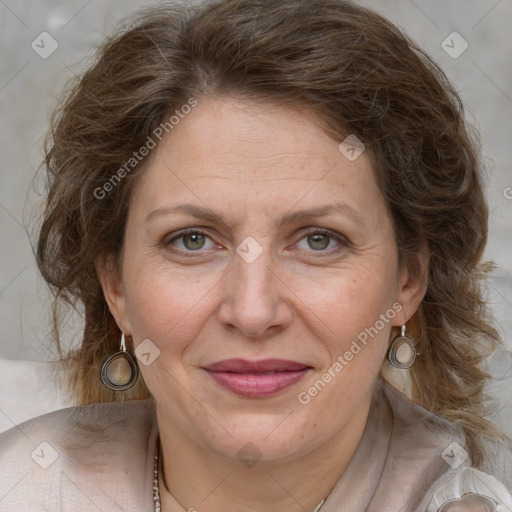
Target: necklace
156,487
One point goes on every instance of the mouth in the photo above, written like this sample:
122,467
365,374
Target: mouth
257,379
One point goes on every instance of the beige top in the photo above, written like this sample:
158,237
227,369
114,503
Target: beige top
100,458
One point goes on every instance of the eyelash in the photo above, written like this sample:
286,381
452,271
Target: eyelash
342,241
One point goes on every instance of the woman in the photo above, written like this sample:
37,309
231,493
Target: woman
266,209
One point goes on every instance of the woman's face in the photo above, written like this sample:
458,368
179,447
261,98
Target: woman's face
294,259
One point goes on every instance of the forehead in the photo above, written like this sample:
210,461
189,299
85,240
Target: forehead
230,150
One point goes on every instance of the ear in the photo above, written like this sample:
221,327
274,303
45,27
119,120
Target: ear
413,286
112,285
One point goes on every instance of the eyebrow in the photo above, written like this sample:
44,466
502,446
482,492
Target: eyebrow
289,218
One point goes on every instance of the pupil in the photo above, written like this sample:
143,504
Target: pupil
319,238
197,240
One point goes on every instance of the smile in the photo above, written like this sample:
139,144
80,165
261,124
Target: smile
257,379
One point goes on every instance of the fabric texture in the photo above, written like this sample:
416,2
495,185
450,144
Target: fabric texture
101,456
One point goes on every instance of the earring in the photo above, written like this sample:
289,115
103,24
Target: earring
402,353
119,371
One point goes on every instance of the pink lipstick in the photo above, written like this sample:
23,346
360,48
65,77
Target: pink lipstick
257,379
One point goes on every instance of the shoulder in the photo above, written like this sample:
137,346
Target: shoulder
432,451
77,451
468,490
420,435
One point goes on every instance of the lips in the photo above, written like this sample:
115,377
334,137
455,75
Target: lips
256,379
266,365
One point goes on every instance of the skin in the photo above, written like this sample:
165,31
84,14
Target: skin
302,299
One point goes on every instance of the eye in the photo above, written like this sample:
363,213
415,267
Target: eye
192,240
320,239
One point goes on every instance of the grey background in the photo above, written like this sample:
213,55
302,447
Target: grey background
31,85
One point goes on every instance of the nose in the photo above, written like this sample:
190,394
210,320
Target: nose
255,300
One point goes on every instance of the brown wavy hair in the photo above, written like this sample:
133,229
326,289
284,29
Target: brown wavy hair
361,75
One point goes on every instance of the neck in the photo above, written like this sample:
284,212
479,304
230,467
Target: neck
200,479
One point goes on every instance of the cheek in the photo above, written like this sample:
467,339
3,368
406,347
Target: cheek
351,301
165,304
168,309
356,314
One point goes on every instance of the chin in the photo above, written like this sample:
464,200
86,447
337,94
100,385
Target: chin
258,437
